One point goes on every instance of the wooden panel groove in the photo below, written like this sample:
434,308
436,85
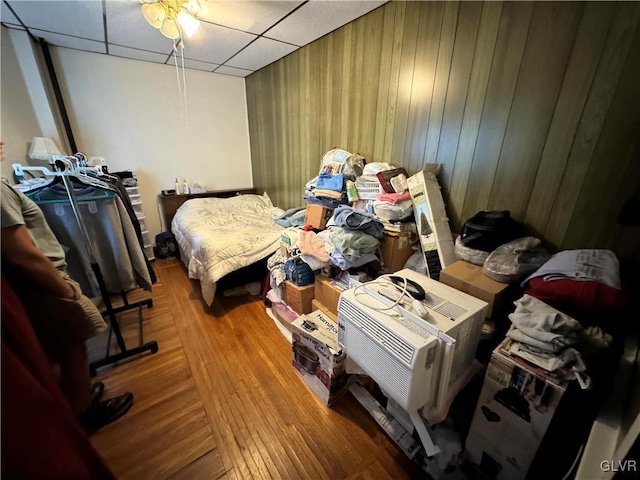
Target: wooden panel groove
510,99
423,80
552,27
405,82
464,50
450,18
505,68
593,118
587,49
474,107
614,163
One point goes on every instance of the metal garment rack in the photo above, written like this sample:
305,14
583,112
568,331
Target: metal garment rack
109,312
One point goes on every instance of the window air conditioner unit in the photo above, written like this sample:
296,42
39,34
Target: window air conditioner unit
414,360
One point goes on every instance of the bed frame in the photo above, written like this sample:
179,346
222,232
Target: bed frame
169,204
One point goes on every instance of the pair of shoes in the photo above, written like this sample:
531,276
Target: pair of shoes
97,389
105,412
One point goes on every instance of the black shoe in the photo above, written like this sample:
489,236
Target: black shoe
97,389
103,413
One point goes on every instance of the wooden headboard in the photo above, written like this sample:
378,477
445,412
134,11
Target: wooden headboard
169,204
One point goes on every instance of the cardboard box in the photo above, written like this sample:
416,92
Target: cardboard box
431,220
396,248
317,216
327,294
516,405
298,298
316,305
468,278
317,357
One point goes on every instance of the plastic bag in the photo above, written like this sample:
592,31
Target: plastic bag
337,160
514,260
389,211
471,255
416,263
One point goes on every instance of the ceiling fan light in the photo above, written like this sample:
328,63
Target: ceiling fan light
192,6
154,14
170,29
188,23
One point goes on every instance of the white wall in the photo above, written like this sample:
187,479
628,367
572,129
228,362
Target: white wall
130,112
18,121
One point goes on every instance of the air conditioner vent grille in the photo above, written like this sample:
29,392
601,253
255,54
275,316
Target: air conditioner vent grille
451,310
432,300
392,342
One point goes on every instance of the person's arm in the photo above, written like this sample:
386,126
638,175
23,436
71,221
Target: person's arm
19,251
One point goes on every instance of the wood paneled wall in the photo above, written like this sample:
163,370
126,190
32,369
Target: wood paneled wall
530,107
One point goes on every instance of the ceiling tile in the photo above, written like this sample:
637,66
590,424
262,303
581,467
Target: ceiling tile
215,44
260,53
250,16
7,16
78,18
236,72
70,42
127,27
135,54
207,67
317,18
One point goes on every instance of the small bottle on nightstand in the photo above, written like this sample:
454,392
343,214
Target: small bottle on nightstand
185,187
177,187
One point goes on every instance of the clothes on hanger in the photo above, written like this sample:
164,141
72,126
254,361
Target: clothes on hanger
117,183
113,238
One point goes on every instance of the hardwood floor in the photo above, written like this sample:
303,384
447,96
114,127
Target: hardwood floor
220,400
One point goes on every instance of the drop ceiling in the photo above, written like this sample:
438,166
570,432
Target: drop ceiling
235,37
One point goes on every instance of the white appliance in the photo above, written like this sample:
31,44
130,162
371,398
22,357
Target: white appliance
414,360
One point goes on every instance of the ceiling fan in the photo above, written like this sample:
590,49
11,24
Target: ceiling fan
172,17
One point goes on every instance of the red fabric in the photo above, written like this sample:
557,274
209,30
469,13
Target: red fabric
583,295
41,438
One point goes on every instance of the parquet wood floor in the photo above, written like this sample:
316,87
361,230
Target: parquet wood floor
220,400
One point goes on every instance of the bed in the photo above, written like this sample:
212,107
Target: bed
218,236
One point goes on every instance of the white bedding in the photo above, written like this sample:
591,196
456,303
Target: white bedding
217,236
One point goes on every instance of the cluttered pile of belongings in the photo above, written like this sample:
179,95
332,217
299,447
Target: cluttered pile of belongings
568,312
338,232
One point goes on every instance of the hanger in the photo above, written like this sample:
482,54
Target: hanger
108,190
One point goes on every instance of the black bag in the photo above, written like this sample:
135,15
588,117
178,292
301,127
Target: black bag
487,230
166,245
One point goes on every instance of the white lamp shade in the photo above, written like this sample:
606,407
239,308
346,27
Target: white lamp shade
43,148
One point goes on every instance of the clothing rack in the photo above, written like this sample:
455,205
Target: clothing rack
65,171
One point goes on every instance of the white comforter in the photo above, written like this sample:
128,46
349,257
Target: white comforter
217,236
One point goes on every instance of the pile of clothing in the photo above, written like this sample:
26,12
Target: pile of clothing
553,323
351,239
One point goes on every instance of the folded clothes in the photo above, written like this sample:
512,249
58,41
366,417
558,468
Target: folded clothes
311,244
545,328
320,192
326,181
394,198
352,243
294,217
340,261
345,216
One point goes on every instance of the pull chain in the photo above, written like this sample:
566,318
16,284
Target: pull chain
182,86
